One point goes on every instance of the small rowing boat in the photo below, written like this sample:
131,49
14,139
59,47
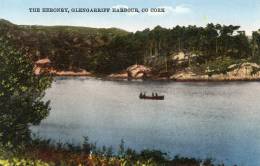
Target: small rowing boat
153,97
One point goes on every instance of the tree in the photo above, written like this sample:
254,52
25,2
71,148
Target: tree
255,46
21,94
118,55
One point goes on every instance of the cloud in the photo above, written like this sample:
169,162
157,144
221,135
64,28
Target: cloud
120,6
181,9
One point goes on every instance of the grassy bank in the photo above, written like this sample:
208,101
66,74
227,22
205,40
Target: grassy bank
46,153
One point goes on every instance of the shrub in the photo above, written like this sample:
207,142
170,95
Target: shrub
21,94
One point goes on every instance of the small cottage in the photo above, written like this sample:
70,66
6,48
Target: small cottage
42,65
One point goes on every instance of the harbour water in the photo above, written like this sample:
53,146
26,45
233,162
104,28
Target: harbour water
219,120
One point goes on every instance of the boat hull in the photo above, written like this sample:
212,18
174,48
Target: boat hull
152,97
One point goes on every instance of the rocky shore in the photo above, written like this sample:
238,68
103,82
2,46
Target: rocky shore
242,72
236,72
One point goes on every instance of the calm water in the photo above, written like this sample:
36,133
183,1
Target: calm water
218,120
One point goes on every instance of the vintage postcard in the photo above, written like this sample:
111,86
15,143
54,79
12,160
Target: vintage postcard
129,83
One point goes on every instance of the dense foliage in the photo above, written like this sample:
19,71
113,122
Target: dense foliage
111,50
69,48
21,94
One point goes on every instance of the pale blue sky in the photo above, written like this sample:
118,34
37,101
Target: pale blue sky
245,13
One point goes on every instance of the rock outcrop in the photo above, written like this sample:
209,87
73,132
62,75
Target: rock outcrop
133,72
72,73
181,57
121,75
244,71
138,71
188,75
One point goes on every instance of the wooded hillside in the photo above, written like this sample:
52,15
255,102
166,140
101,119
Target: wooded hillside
104,51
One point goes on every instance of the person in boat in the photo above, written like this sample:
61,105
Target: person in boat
152,94
156,94
141,95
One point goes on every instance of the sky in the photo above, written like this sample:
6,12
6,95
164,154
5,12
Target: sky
245,13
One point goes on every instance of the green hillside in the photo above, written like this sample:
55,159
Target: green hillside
68,47
98,50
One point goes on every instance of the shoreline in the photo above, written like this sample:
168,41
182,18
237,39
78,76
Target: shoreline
243,72
226,79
